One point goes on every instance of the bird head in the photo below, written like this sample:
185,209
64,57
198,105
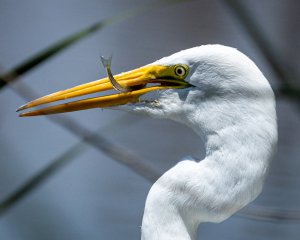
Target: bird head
167,87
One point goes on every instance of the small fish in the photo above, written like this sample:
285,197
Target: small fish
106,62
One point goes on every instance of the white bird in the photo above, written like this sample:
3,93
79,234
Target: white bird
223,96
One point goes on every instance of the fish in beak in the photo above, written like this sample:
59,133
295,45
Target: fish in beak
129,85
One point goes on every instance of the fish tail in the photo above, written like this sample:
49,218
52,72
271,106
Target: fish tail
106,62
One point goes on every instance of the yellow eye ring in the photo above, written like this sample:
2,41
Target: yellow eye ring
180,71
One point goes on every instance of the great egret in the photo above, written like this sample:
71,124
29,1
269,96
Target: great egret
223,96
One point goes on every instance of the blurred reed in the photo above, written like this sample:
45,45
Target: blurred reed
286,74
61,161
63,44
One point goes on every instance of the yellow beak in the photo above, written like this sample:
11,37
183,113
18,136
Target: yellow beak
160,77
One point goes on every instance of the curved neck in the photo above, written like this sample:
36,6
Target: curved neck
239,147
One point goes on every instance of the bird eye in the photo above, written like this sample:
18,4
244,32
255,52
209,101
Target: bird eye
180,71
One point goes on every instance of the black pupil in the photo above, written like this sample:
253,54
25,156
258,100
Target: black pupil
179,71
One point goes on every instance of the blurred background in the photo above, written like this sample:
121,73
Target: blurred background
90,195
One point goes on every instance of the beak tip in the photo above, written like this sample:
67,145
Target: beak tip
28,114
21,108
